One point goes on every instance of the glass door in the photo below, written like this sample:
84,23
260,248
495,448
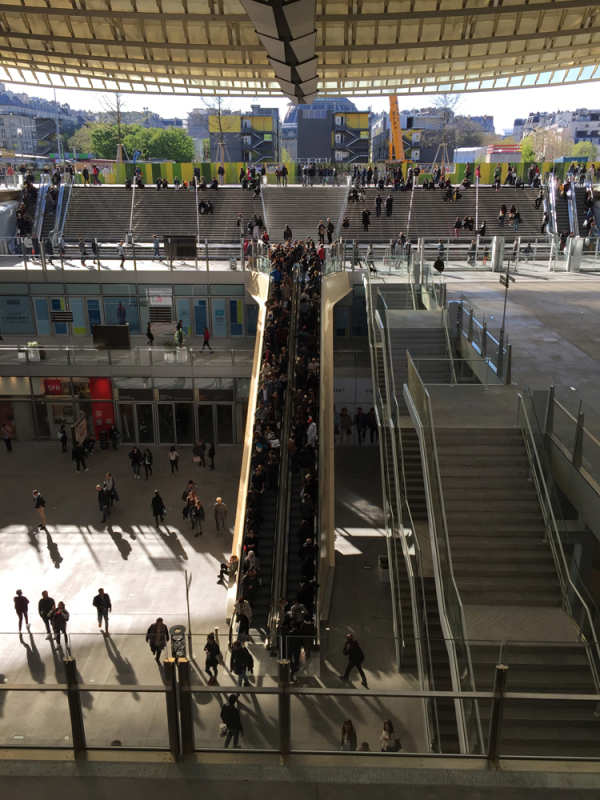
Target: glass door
166,426
206,430
224,423
126,423
145,423
184,423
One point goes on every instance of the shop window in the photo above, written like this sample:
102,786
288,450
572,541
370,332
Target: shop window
16,316
342,321
15,387
182,306
251,319
122,310
236,318
58,304
219,318
51,387
200,316
79,326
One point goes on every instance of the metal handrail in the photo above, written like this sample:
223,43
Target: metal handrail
431,474
389,425
343,209
446,327
573,208
562,567
64,219
412,195
57,213
133,188
282,514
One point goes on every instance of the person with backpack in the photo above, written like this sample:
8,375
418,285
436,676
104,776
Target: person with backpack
241,663
355,659
213,658
232,721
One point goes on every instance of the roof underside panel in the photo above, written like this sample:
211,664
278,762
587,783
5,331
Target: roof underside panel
388,47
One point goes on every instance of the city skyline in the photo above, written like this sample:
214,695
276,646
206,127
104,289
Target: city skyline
504,105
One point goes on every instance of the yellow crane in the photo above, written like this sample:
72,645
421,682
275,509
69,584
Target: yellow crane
396,144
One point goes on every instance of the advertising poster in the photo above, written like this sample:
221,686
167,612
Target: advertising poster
15,315
79,429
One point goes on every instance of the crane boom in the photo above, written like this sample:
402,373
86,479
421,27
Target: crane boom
396,146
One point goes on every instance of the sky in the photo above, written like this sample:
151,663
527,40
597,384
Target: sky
505,106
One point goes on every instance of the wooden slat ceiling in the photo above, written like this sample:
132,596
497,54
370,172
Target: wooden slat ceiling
209,47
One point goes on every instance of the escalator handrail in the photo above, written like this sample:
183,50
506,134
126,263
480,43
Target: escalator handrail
284,487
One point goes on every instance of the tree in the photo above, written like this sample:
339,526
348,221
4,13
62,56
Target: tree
527,151
104,139
550,144
285,156
81,141
114,108
587,149
221,122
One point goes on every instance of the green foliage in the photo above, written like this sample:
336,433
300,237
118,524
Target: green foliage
81,141
527,151
587,149
169,143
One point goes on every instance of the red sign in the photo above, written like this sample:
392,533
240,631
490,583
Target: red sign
52,386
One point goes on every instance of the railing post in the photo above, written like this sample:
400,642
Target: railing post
172,707
493,752
186,706
207,264
578,443
75,707
284,709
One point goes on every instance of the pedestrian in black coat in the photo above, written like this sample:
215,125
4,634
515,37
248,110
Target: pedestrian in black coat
78,456
158,507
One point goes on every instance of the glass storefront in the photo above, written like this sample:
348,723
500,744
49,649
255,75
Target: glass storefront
146,411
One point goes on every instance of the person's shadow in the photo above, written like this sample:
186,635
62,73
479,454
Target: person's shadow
34,660
124,671
2,694
123,545
54,551
33,540
172,541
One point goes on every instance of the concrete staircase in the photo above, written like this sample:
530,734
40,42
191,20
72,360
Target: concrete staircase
494,519
105,213
421,343
433,218
541,727
302,207
413,475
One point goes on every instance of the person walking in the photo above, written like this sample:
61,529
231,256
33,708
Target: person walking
173,460
230,717
109,485
355,659
198,452
211,455
147,462
45,606
103,502
136,461
220,515
197,515
21,605
82,251
102,604
63,438
158,508
157,637
241,662
207,339
149,335
78,456
330,230
366,220
60,617
213,659
40,506
156,248
121,254
6,434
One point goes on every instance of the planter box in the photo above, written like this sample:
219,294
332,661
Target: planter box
384,569
181,356
170,358
33,353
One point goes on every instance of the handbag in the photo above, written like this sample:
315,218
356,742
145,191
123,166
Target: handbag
197,459
222,729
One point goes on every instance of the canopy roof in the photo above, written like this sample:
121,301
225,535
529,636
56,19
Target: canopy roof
363,47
